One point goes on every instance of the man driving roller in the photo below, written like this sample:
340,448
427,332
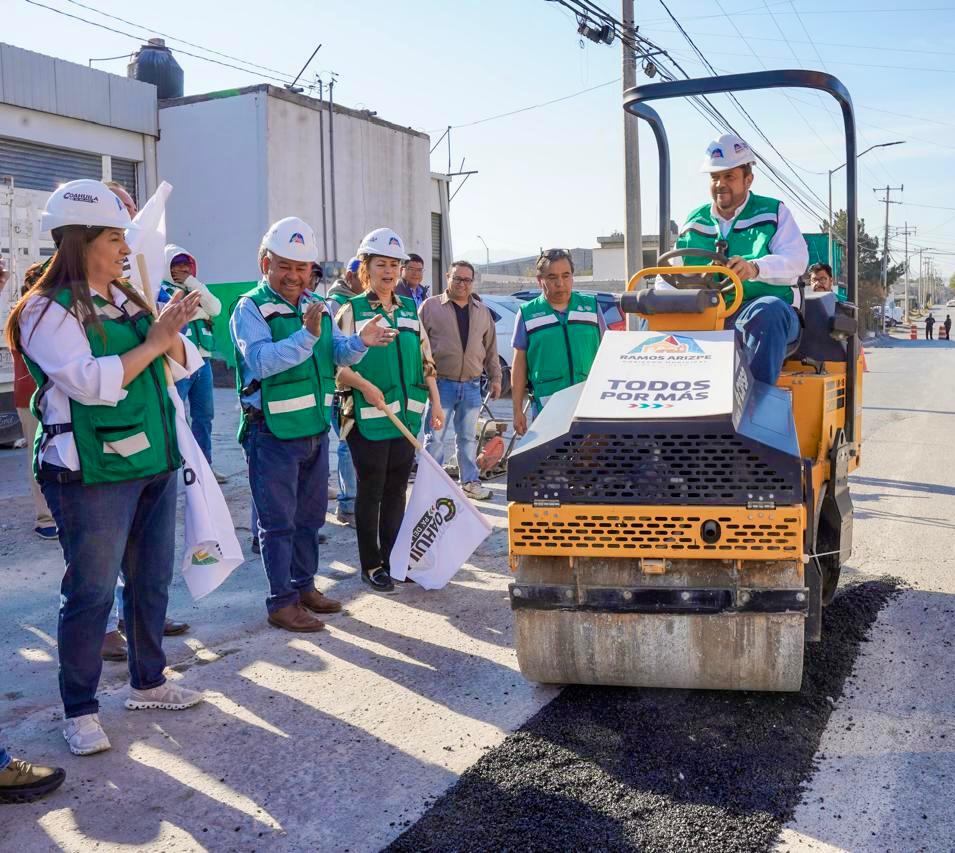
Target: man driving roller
765,249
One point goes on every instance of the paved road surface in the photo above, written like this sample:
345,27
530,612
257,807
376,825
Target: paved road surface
342,741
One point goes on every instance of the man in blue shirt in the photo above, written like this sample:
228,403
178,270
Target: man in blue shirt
286,352
410,283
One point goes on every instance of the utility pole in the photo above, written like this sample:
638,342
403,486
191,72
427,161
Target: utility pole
905,232
885,245
633,230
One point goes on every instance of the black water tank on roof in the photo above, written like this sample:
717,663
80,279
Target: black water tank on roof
154,63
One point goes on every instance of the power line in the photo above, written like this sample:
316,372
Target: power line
174,38
746,114
140,38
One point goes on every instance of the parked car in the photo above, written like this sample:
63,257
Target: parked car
609,306
504,311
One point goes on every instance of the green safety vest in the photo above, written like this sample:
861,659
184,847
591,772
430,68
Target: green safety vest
749,237
198,331
560,349
136,437
297,402
396,370
340,298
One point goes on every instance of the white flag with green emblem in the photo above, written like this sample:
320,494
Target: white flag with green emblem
440,531
212,550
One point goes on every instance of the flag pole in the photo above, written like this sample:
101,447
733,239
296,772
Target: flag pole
150,298
402,428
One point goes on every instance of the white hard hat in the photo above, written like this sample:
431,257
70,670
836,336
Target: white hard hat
85,202
727,152
384,242
291,238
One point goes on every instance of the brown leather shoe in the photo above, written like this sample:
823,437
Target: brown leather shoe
171,628
318,603
294,617
114,646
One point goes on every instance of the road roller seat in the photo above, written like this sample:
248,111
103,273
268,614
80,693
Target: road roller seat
827,323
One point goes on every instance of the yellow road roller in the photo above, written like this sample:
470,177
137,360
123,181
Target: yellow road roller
674,522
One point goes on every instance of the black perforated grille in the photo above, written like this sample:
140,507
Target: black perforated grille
661,467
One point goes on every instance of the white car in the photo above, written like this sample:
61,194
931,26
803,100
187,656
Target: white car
504,311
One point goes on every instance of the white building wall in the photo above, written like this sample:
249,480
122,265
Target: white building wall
213,152
609,264
382,176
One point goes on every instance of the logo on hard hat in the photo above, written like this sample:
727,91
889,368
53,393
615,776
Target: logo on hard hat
668,344
737,147
119,204
717,153
84,197
297,238
394,241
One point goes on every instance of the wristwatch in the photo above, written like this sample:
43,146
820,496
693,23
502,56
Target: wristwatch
756,267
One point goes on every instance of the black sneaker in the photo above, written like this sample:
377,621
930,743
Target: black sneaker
378,579
256,548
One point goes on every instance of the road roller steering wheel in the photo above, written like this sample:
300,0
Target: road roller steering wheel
704,277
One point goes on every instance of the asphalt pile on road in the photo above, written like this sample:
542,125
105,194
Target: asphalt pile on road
655,770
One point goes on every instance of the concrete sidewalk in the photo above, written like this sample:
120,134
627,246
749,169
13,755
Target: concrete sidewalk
333,741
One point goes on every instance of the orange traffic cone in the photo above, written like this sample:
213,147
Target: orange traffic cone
865,367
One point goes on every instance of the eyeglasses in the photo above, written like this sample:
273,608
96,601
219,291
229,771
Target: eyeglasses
553,255
458,280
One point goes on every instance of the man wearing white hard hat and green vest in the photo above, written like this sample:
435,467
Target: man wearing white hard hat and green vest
765,249
286,352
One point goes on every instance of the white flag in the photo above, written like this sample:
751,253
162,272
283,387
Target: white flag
440,531
212,549
149,240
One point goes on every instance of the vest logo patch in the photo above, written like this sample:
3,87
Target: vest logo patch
431,527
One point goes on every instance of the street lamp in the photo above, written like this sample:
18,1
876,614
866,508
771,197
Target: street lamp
833,171
487,254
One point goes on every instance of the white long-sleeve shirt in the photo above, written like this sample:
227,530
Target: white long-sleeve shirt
57,342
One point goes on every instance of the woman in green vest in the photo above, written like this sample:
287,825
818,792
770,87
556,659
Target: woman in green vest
106,451
399,378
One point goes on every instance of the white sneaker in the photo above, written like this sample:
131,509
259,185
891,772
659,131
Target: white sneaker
85,735
167,696
220,477
476,491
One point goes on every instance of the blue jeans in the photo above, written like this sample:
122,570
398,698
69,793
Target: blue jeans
289,482
197,389
113,623
347,481
461,402
4,758
105,529
768,326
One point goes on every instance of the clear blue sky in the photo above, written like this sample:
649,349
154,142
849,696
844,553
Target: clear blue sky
553,176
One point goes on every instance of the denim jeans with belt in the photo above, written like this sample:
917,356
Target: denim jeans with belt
289,482
105,529
461,402
768,325
197,389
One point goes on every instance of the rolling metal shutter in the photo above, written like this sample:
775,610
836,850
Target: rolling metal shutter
124,171
42,167
437,279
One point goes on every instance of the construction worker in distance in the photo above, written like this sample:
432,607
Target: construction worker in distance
345,288
556,336
765,249
820,278
286,352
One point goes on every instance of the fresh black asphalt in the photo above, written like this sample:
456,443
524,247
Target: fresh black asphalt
607,769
